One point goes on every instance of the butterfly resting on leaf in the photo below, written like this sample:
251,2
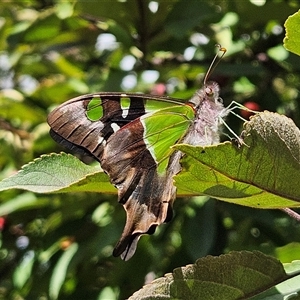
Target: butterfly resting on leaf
131,135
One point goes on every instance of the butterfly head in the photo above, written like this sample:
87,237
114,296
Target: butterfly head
208,93
210,90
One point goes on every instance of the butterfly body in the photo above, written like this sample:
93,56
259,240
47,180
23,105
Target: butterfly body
132,135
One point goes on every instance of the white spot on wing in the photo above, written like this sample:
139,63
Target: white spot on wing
115,127
125,113
125,105
100,140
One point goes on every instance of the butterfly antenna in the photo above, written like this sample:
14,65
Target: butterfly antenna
214,63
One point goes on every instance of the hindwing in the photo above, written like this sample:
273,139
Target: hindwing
131,136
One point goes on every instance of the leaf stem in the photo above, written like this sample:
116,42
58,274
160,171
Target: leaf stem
291,213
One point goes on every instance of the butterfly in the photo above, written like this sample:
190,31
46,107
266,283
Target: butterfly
131,135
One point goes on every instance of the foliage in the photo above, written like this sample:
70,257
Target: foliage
59,245
248,272
291,40
271,146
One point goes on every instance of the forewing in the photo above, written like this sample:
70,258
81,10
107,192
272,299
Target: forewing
84,123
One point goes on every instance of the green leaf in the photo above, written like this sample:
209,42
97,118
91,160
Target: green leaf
13,107
23,201
24,269
107,293
237,275
264,173
60,271
292,37
43,29
255,174
184,17
287,289
65,67
288,252
64,9
58,173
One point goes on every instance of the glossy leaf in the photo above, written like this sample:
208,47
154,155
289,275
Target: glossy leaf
58,172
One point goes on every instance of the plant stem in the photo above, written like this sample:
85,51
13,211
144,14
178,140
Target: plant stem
291,213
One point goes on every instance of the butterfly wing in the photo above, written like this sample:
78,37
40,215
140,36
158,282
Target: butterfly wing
84,123
130,135
141,164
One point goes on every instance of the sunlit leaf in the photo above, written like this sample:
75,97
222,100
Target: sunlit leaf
23,201
13,107
288,252
58,172
43,29
61,173
261,173
24,269
60,271
292,38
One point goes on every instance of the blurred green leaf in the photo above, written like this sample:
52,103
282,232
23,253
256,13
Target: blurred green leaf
292,38
12,108
65,67
201,218
22,202
43,29
60,271
23,271
107,293
184,17
64,9
288,252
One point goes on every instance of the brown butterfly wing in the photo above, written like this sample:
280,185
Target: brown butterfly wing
71,127
146,196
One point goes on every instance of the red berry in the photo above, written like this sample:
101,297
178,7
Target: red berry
2,223
252,106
